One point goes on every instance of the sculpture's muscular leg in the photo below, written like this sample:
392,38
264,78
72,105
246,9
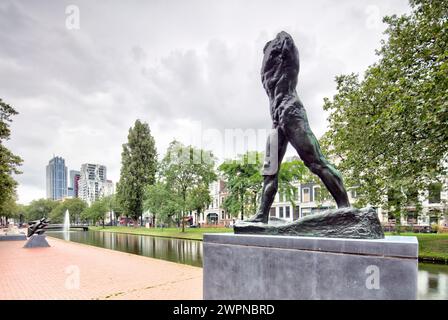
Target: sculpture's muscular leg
301,137
270,184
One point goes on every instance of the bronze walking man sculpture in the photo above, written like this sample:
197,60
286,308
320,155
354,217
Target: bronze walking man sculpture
279,76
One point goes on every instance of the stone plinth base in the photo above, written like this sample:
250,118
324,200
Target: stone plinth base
286,267
36,241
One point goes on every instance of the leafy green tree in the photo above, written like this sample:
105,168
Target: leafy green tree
290,173
75,207
39,209
199,199
10,209
185,168
138,169
389,130
243,182
113,206
9,162
96,211
161,202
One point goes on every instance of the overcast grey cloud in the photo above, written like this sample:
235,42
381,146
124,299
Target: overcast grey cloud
169,63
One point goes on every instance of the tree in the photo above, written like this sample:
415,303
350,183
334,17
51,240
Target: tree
199,199
74,206
389,129
138,169
113,206
290,173
161,202
96,211
39,209
9,162
185,168
10,209
243,182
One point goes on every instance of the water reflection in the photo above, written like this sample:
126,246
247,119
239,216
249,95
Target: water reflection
175,250
432,278
432,281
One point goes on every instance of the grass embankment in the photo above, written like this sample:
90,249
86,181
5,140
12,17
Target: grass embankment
190,233
431,247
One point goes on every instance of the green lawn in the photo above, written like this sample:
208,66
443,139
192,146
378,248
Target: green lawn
432,247
190,233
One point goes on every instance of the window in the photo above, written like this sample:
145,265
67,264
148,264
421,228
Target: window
353,194
281,212
287,212
272,212
306,195
317,194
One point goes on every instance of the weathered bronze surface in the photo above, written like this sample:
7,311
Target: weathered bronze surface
340,223
279,74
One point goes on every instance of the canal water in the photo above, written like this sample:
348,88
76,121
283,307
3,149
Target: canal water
432,278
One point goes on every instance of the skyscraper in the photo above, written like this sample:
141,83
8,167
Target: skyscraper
93,183
56,179
74,183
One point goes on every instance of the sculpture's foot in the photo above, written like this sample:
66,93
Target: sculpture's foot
349,223
259,217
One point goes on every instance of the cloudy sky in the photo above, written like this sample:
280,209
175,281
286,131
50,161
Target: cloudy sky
178,65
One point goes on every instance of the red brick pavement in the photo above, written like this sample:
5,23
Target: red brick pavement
51,273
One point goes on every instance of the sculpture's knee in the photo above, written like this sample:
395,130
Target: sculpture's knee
317,167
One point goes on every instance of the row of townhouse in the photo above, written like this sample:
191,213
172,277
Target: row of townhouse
434,205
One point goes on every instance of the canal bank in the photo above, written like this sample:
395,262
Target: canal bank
433,248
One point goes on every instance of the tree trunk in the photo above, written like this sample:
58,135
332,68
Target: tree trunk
183,222
184,196
242,207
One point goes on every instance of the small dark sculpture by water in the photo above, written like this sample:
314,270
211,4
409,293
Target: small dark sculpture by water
37,226
279,75
36,237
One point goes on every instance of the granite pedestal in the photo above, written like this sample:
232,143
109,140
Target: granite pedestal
36,241
258,267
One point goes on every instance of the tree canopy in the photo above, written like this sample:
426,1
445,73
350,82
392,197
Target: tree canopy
39,209
138,169
9,162
389,129
74,206
184,169
96,212
243,182
161,202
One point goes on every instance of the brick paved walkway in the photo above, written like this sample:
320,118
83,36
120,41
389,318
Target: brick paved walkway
51,273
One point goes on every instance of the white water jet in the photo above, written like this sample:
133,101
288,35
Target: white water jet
66,227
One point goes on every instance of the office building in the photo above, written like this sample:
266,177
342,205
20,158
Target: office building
56,179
